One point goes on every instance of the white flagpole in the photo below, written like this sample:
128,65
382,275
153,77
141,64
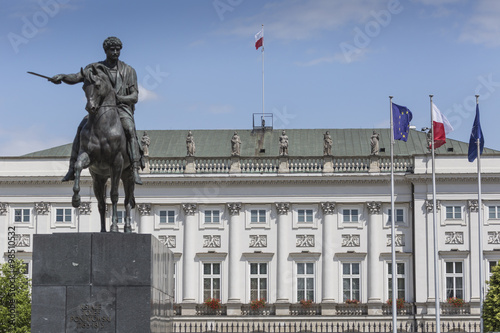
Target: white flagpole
479,222
263,71
393,236
434,217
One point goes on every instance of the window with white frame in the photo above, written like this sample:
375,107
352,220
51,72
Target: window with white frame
211,280
166,216
453,212
304,215
64,215
305,281
350,281
491,264
494,212
120,214
258,281
258,216
399,218
22,215
212,216
400,280
350,215
454,279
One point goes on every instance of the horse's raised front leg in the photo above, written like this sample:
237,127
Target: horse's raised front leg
81,163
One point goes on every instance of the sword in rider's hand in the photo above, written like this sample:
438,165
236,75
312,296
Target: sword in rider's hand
40,75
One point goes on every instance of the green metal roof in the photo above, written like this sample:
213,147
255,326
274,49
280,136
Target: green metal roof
302,142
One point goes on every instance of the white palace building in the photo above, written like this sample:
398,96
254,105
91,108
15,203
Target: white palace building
307,231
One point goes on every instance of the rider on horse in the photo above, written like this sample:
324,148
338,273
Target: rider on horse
124,80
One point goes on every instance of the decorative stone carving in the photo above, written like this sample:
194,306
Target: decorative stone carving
327,144
22,240
454,237
283,208
429,205
328,207
473,206
374,145
211,241
350,240
84,208
304,241
493,237
189,208
191,148
42,208
234,208
258,240
399,240
3,208
144,208
168,240
235,144
374,207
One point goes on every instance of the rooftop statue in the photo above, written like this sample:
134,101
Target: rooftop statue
283,144
235,144
327,144
190,146
374,143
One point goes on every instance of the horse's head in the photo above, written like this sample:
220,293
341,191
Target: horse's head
97,87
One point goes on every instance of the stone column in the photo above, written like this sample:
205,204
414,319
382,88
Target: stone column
146,223
234,255
284,275
189,275
475,292
328,282
375,276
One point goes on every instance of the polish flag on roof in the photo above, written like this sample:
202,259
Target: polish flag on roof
259,39
440,126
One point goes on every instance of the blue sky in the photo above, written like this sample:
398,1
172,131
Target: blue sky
328,63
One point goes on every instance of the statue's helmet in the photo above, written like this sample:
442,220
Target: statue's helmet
111,41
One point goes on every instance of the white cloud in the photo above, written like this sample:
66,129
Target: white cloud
146,95
483,27
298,19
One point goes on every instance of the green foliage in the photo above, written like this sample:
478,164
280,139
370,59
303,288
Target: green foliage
15,298
491,306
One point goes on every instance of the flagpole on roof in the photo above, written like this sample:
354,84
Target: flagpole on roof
434,218
479,222
393,236
263,71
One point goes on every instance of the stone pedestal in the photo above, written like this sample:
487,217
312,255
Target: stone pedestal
101,282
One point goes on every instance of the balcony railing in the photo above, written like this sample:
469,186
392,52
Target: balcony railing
305,310
450,309
267,310
406,309
264,165
203,310
352,309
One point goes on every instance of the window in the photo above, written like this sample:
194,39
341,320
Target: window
212,216
454,279
305,215
494,212
398,218
400,280
258,216
63,215
167,216
22,215
258,281
211,280
350,281
120,214
350,215
491,264
453,212
305,281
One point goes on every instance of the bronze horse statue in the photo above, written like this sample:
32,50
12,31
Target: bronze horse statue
103,148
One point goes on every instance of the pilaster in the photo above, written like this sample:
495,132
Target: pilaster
375,227
189,276
328,271
283,273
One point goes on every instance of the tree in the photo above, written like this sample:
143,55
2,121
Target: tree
491,306
15,298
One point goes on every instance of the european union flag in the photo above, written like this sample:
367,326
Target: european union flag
476,133
401,117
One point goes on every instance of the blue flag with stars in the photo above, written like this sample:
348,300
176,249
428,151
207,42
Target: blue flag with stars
475,134
401,117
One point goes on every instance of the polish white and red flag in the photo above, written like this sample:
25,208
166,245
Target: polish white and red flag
440,126
259,39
